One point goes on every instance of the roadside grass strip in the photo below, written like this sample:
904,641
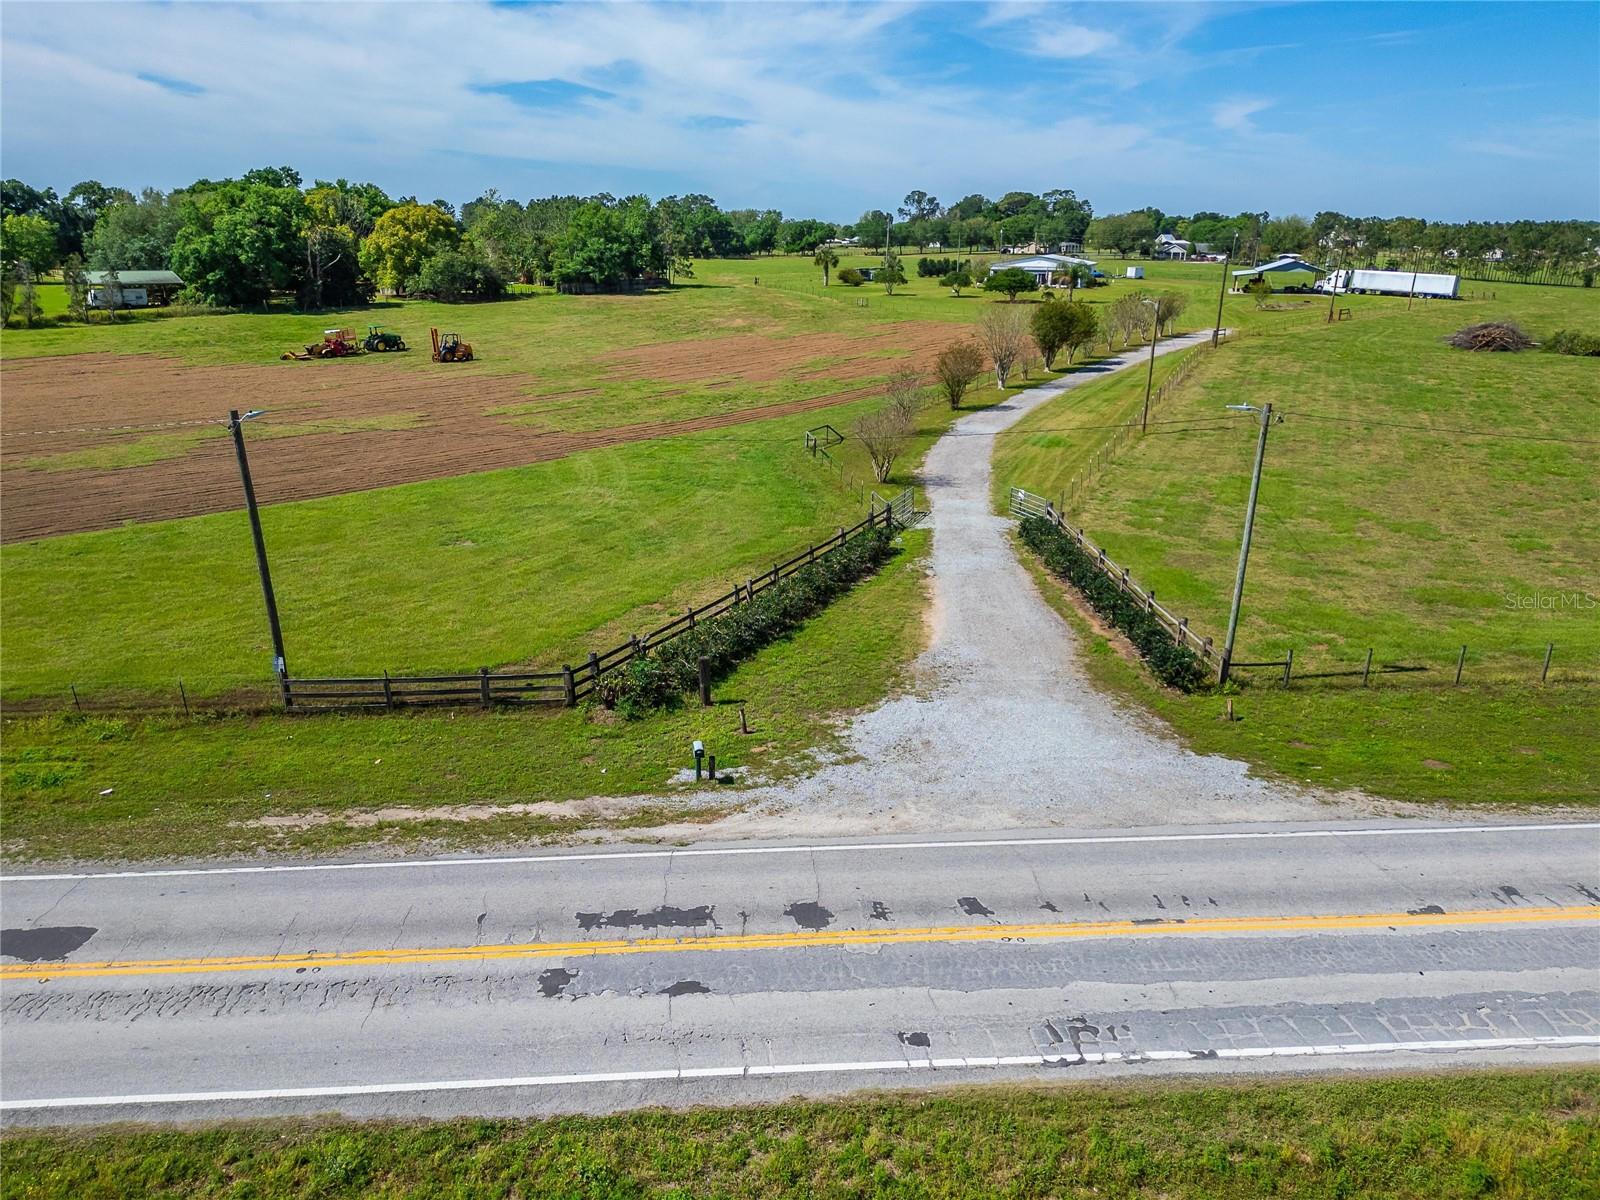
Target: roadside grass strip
433,955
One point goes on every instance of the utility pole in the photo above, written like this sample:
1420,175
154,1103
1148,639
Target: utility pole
1222,289
1244,546
236,427
1150,375
1333,288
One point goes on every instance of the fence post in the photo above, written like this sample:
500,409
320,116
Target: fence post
1206,648
703,665
483,685
1366,667
594,669
750,589
638,649
76,703
569,686
1461,661
1149,601
691,616
388,692
1288,666
185,695
1549,650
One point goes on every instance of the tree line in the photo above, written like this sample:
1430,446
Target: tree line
238,243
1523,246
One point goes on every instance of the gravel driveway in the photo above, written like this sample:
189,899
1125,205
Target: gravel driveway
1003,726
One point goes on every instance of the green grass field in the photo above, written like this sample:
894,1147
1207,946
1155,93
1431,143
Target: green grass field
1517,1135
1381,524
539,564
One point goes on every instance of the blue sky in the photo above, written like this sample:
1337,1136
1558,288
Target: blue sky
1445,111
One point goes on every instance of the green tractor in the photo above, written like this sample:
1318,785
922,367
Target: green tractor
378,340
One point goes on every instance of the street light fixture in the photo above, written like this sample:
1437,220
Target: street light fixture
280,668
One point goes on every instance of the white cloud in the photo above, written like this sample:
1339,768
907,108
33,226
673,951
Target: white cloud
1068,40
1234,115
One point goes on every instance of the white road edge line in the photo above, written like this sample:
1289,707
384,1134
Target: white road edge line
681,1074
827,848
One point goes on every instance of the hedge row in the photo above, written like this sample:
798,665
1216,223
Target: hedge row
663,675
1172,663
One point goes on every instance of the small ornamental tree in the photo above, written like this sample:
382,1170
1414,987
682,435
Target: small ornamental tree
1013,281
851,277
1169,306
1082,329
884,435
1050,324
958,366
827,259
891,274
1262,291
77,288
955,281
1003,333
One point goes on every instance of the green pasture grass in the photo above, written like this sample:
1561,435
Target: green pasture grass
1411,541
534,565
1486,746
1517,1135
106,786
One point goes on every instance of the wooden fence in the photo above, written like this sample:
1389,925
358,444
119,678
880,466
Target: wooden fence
1026,504
570,684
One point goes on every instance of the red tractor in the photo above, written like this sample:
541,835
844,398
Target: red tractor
335,343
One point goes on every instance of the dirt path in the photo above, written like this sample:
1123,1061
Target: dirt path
1004,728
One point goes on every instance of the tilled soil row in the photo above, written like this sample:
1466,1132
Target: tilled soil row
82,402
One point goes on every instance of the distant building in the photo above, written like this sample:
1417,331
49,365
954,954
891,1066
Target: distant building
1170,247
132,289
1043,267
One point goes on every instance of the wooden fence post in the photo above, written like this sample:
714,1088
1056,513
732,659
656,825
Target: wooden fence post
185,695
1549,650
1461,661
703,665
388,691
1366,667
483,685
76,703
691,616
569,686
594,669
1288,666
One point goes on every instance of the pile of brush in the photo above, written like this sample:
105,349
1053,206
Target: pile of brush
1491,335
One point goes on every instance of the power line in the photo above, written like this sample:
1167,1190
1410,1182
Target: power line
1483,433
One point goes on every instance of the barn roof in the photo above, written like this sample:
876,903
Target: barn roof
1283,264
135,279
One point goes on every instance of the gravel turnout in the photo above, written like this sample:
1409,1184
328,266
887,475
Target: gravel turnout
1003,726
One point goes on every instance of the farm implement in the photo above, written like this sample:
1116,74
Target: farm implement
450,347
378,341
335,343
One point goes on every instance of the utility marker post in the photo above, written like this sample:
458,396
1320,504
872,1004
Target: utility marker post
280,667
1244,546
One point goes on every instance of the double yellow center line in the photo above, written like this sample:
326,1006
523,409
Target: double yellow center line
1053,931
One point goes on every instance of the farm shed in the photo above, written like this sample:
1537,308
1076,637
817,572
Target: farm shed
139,289
1043,267
1282,274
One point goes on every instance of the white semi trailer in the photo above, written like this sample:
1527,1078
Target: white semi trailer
1392,283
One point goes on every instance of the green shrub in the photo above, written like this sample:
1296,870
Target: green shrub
851,277
662,675
1570,341
1176,665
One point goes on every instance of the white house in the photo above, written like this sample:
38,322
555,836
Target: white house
1043,267
1171,247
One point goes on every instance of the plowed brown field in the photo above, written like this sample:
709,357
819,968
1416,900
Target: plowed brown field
86,402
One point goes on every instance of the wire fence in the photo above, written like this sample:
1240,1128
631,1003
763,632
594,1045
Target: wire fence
1533,662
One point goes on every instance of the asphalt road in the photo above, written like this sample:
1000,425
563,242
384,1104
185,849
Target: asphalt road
607,979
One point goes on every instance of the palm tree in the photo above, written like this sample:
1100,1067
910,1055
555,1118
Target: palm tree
827,260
